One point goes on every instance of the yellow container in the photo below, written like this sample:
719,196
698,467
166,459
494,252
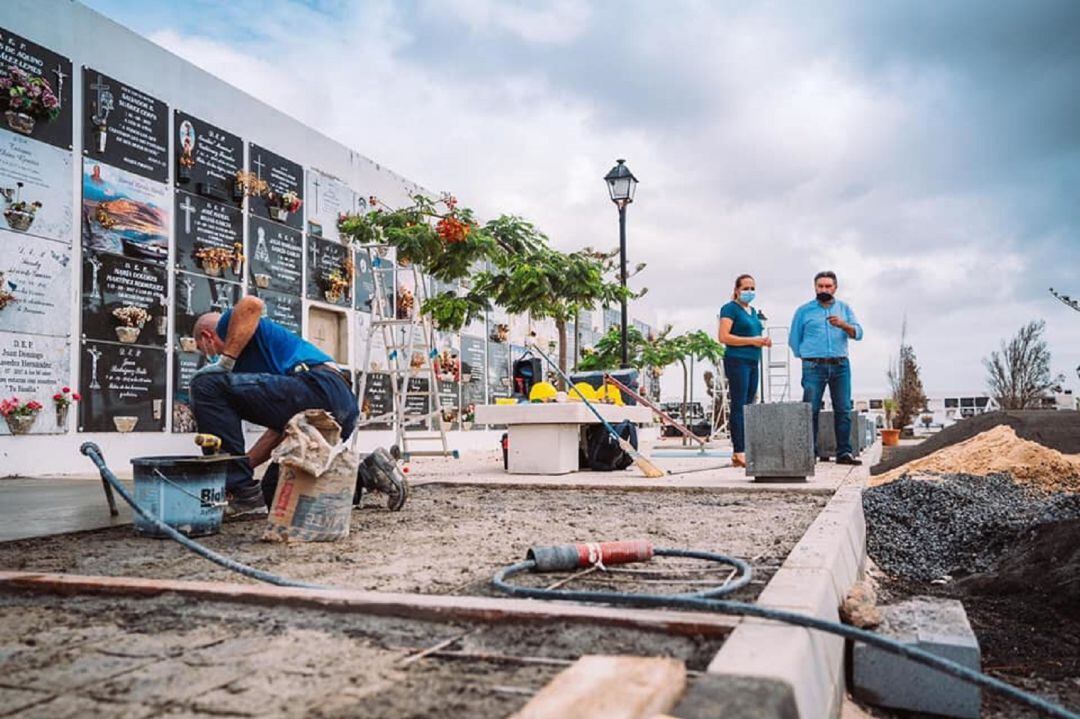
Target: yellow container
583,390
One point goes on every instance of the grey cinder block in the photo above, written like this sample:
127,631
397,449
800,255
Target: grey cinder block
827,433
939,626
779,440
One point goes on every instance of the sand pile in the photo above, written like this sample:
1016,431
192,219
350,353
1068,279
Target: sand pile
997,451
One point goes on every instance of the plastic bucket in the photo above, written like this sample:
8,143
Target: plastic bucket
185,492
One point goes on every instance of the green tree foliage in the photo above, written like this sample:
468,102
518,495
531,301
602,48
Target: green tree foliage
907,388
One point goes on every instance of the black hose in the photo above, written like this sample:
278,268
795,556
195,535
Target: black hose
92,451
725,606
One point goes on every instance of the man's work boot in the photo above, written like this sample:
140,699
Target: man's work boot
245,501
378,472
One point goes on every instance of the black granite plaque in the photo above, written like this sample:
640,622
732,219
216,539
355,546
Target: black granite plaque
498,370
207,158
324,259
417,403
378,399
56,70
286,310
195,295
364,294
201,224
184,366
119,382
110,282
124,127
473,370
282,176
275,256
449,400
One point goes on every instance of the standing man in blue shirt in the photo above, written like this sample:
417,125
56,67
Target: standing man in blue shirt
263,373
820,331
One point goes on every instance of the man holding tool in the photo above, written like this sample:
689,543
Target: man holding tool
819,336
260,372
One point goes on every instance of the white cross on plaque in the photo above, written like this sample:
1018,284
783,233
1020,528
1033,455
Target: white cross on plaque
259,165
187,208
60,76
315,183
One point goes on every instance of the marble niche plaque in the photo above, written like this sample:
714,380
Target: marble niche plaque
124,213
286,310
327,198
473,370
184,366
34,367
33,172
326,257
55,69
282,175
203,224
207,159
275,256
124,127
196,295
110,282
37,274
121,381
364,292
378,399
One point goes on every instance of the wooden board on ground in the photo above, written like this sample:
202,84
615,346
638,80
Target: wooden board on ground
610,687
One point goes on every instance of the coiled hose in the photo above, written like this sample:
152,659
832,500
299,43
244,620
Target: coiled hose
706,601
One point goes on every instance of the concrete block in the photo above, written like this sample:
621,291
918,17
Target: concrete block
827,433
779,440
732,697
543,448
939,626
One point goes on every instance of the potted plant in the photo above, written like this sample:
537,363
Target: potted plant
184,163
890,435
238,259
6,295
62,401
188,344
248,184
18,213
214,259
405,303
262,281
335,286
280,204
27,98
19,416
500,333
131,319
469,417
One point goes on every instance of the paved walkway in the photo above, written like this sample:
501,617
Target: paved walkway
53,505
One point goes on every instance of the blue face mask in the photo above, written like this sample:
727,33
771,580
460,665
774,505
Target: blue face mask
747,296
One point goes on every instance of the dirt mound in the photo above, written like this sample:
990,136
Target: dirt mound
1046,562
997,451
1056,429
955,525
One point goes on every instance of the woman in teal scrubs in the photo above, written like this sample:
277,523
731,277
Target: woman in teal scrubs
741,333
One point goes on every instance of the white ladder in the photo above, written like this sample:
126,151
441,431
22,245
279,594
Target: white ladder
416,403
721,397
778,366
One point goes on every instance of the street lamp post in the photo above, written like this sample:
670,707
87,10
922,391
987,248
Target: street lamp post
621,185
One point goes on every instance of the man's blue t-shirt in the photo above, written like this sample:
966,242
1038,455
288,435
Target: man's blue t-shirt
744,323
273,349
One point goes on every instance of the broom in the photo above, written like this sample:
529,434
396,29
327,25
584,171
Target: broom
647,468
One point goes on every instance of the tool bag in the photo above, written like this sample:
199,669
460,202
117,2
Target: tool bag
603,453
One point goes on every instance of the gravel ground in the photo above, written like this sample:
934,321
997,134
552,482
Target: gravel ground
452,539
953,525
79,657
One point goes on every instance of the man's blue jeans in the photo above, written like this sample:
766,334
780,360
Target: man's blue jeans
742,377
816,376
220,401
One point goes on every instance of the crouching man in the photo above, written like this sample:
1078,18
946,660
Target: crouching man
260,372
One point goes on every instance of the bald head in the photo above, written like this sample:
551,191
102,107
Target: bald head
206,335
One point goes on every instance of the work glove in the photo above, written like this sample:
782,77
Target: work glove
223,364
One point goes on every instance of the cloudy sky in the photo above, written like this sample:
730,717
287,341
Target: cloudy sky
928,152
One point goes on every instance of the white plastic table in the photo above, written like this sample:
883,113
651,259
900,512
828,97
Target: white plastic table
544,438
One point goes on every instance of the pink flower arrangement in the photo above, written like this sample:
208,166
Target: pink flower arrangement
65,397
288,201
12,407
29,94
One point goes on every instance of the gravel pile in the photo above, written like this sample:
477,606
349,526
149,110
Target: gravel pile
955,524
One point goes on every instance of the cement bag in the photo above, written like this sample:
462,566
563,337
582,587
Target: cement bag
313,500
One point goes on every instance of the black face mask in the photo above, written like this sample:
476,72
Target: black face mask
824,297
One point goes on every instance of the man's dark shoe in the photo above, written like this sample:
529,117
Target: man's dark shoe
824,458
848,459
245,501
378,472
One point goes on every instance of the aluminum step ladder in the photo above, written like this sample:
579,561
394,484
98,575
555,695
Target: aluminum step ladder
777,360
408,338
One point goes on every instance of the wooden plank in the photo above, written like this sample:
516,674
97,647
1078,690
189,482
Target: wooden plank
431,607
610,687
